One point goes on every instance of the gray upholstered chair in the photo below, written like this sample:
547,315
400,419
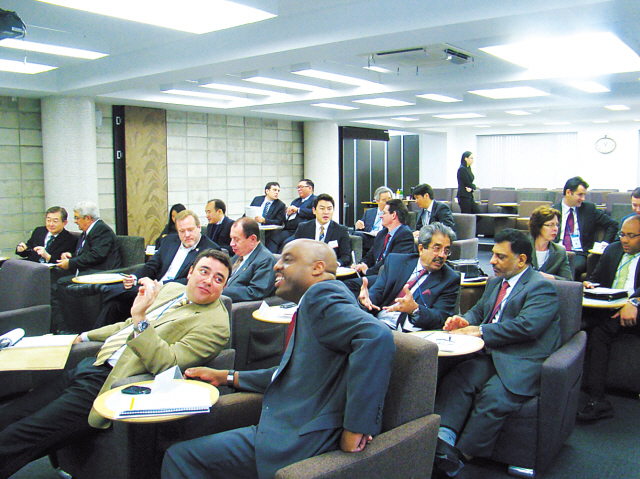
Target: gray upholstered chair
487,225
466,244
531,437
356,246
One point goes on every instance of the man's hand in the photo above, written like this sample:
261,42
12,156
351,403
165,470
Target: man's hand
21,247
455,322
291,210
129,281
359,225
215,377
360,268
364,296
63,263
259,219
66,255
42,252
627,314
353,441
147,294
416,234
547,275
406,304
468,330
78,340
588,285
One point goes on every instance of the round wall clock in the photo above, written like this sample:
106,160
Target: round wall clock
605,145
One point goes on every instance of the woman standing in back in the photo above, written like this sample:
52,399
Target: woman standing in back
466,186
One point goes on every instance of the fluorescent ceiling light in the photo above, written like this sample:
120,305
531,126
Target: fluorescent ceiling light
52,49
334,106
517,124
436,97
193,16
512,92
374,68
482,126
617,107
201,94
240,89
333,77
556,123
600,121
518,112
576,55
284,84
23,67
384,102
405,118
459,116
588,86
373,122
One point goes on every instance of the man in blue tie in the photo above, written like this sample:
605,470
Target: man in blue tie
371,223
219,227
273,209
47,243
431,211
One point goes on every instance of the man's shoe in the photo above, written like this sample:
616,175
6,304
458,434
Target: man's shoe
448,458
595,410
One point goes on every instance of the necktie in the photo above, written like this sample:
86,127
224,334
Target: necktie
119,339
376,223
321,237
81,243
568,230
412,282
290,329
425,218
46,247
623,271
236,265
214,231
384,247
267,205
501,295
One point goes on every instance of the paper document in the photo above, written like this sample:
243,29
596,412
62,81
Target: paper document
37,352
450,343
274,313
252,211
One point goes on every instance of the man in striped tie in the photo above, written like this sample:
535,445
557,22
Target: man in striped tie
176,325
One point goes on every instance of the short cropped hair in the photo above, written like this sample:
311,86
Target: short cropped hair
427,232
398,207
380,190
58,209
218,205
323,197
87,208
539,217
309,183
422,190
217,255
249,227
573,183
635,193
184,213
519,240
270,184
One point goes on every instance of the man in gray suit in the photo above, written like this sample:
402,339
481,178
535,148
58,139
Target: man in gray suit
327,393
253,276
517,317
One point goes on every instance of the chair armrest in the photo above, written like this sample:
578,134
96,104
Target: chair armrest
35,320
81,351
406,451
563,367
464,249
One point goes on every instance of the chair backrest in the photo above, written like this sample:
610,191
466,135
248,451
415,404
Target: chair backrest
616,197
131,249
526,207
500,195
24,284
535,195
465,225
412,220
570,307
619,211
412,387
442,194
356,246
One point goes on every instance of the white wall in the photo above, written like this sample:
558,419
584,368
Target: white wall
321,157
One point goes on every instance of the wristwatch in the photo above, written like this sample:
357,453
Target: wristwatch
230,377
142,325
635,302
480,329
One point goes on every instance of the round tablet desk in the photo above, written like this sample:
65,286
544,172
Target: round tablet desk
99,278
275,314
345,272
601,304
469,345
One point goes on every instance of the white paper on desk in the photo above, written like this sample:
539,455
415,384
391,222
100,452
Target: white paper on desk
46,340
12,336
450,343
600,247
252,211
164,381
151,249
274,313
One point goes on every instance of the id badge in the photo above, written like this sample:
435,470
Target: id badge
575,242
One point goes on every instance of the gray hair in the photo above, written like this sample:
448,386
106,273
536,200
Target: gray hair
87,208
379,191
427,232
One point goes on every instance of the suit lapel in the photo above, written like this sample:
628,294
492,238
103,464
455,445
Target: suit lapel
245,265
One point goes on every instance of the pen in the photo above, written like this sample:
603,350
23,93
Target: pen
131,407
353,256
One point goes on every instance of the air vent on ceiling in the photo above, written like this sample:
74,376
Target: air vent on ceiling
440,53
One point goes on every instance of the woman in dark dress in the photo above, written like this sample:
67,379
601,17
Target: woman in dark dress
171,224
466,186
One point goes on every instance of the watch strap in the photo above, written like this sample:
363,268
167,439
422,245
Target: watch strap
230,377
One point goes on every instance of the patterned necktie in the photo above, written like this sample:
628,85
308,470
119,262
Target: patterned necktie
236,265
81,243
321,237
568,231
267,205
290,328
412,282
425,218
384,247
46,247
501,295
623,272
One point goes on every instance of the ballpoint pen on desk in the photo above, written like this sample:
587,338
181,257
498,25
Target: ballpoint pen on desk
353,256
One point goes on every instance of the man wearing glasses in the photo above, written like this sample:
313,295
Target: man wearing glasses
301,209
416,291
618,268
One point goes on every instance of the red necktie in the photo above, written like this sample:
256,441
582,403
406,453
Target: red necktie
290,329
410,284
568,231
501,294
384,247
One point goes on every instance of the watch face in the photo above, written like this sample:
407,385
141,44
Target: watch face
605,145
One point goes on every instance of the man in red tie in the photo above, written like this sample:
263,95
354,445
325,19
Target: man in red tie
517,317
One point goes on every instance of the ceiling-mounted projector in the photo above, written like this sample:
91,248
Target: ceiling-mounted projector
11,26
456,57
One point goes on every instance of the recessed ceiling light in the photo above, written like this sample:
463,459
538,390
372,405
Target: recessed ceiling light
518,112
51,49
459,116
193,16
240,89
600,121
372,122
334,77
517,124
481,126
201,94
436,97
405,118
556,123
576,55
617,107
511,92
374,68
334,106
385,102
285,84
22,67
588,86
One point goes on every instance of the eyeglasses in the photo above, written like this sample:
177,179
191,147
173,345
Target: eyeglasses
303,186
627,235
440,250
551,225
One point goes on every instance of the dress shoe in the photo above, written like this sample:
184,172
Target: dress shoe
594,410
448,459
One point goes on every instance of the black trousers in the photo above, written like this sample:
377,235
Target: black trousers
117,304
468,205
50,416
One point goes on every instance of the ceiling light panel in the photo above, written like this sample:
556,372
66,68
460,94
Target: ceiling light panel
588,86
240,89
436,97
285,84
50,49
374,68
518,112
199,94
334,106
24,67
405,118
384,102
508,93
617,107
334,77
193,16
459,116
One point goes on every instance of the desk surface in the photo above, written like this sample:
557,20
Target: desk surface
468,344
271,227
344,272
507,205
100,403
473,284
496,215
275,314
598,303
99,278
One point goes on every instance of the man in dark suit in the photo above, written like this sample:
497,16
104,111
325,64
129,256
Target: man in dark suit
324,229
431,211
301,209
371,223
219,226
416,291
517,317
618,268
253,276
170,263
327,393
273,209
579,222
635,206
47,243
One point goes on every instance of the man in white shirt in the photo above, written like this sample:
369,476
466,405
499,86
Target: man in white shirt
47,243
371,223
431,211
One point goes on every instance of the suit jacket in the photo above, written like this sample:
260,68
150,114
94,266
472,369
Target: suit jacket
65,242
369,218
305,212
187,336
335,232
221,235
276,213
333,375
439,291
527,333
465,180
255,279
605,272
440,213
557,262
590,217
401,242
100,250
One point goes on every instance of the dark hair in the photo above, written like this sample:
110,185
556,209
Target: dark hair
217,255
249,227
171,226
309,183
397,206
520,242
463,160
635,193
423,189
573,183
58,209
539,217
427,232
218,205
270,184
323,197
